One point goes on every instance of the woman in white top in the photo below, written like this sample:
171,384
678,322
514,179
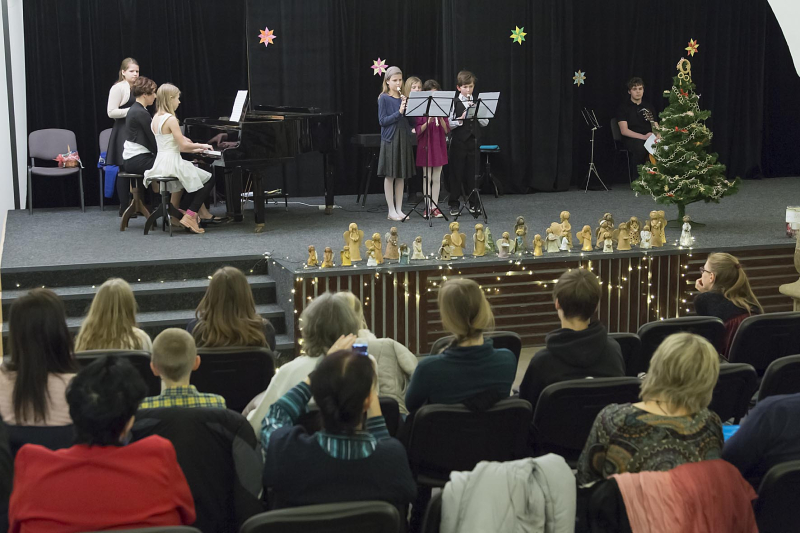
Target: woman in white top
33,381
120,99
169,163
323,323
110,323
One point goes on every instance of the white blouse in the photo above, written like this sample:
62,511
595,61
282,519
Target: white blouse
118,96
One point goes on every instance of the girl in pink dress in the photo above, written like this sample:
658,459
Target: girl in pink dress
432,150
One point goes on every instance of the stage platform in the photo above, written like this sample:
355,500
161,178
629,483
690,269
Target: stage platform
73,252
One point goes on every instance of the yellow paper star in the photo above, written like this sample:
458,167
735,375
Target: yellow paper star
692,48
266,36
518,35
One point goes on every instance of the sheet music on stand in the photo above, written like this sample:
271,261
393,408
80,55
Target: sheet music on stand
486,106
429,103
237,113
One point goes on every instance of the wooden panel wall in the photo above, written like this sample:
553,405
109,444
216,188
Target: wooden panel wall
636,290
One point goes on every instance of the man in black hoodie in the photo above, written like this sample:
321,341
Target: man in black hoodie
581,348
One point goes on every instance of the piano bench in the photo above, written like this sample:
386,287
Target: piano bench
166,210
137,204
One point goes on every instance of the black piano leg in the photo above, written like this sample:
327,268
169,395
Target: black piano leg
258,201
330,170
373,161
233,194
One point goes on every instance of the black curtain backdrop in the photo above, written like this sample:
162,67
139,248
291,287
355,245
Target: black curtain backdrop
324,48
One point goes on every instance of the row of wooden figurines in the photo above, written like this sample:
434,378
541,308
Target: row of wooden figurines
558,238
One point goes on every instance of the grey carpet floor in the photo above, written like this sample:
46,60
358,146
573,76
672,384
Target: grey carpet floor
755,216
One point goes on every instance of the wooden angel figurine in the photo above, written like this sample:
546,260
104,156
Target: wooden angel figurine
634,228
345,256
377,245
504,245
566,228
458,240
520,225
598,233
585,238
353,238
418,248
445,250
518,244
537,245
371,260
655,230
490,244
551,240
610,219
646,237
663,217
312,257
391,245
479,241
403,254
608,242
564,245
327,258
686,233
624,237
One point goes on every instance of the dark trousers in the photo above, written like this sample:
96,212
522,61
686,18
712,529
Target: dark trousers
461,163
639,153
199,196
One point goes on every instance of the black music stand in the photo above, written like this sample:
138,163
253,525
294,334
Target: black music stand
485,108
431,104
591,121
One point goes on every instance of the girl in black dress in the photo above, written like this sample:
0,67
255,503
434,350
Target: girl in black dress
120,99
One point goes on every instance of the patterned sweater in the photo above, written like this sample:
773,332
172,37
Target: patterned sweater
625,438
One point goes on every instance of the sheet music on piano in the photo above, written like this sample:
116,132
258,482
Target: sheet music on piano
237,113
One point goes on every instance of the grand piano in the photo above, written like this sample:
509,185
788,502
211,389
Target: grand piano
268,135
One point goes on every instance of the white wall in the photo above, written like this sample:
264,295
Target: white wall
788,14
17,47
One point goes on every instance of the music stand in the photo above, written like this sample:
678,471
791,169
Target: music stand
591,121
428,104
485,108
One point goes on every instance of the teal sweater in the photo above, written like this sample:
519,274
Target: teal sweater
460,373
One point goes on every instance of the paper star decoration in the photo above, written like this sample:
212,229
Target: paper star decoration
267,36
580,78
378,67
692,48
518,35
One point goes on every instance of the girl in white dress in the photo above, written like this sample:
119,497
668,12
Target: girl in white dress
169,163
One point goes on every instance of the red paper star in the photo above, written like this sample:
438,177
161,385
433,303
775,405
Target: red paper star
692,48
267,36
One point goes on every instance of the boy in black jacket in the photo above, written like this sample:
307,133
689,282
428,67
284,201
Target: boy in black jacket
581,348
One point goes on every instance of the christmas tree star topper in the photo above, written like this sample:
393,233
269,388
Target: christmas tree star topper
378,67
692,48
267,36
518,35
579,78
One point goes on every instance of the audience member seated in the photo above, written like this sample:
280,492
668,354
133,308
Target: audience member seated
6,476
323,323
581,348
724,292
769,435
670,426
35,377
395,362
174,359
101,483
111,321
350,459
470,365
227,314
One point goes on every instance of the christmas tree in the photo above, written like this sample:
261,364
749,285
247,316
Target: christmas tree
680,171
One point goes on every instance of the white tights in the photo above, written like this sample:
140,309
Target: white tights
393,190
434,173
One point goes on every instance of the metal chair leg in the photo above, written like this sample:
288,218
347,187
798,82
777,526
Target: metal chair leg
80,182
100,176
30,194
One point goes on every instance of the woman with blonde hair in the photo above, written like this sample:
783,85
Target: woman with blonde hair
327,324
395,363
724,292
110,323
672,424
120,100
226,316
470,365
169,163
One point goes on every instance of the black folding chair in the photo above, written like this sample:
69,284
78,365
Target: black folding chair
433,515
778,505
781,377
653,333
237,373
501,339
52,437
735,387
160,529
631,347
140,360
619,146
761,339
566,411
349,517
